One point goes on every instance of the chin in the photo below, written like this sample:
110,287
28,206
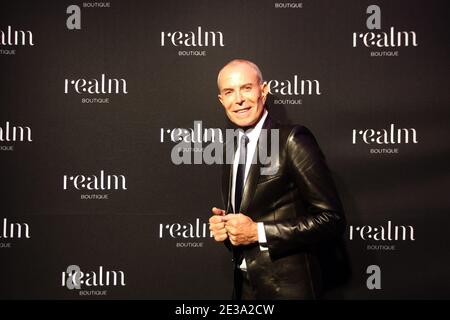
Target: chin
243,122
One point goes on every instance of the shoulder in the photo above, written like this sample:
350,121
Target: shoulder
298,131
300,141
296,134
287,131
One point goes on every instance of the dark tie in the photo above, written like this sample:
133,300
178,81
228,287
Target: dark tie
240,175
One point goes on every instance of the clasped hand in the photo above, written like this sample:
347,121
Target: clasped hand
239,228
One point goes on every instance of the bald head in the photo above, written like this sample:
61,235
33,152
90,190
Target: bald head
242,92
239,63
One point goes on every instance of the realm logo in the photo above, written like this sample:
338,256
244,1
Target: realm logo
198,134
12,133
385,136
294,87
199,38
95,182
96,86
101,182
93,86
185,231
380,39
74,278
14,230
12,37
382,233
390,136
195,39
15,133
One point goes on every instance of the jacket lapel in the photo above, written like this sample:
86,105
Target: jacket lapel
255,168
227,173
226,186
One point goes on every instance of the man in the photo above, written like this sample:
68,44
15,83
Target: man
273,223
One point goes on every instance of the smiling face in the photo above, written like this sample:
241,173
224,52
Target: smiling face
242,93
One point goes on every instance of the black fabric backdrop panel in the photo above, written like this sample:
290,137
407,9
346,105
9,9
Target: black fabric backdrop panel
380,114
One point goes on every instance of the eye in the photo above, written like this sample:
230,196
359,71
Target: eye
248,88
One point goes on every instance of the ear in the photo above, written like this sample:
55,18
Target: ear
264,90
220,99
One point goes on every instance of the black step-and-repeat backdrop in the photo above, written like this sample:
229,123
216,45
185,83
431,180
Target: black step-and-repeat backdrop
94,94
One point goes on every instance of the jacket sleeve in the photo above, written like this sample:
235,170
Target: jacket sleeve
324,218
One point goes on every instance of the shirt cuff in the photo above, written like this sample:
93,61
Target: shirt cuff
262,237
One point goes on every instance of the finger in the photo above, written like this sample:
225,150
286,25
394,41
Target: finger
214,229
220,232
231,223
221,237
231,230
229,217
217,226
220,225
218,211
215,219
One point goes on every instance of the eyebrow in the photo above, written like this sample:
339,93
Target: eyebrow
244,85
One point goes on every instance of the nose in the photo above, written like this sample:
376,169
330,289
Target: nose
239,98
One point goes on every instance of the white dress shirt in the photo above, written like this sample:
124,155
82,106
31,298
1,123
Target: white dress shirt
253,136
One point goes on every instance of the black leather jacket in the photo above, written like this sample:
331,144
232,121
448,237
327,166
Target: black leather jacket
301,210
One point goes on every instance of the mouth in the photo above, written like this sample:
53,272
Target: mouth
243,111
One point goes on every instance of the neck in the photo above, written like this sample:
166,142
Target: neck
255,123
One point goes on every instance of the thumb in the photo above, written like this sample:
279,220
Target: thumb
218,211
